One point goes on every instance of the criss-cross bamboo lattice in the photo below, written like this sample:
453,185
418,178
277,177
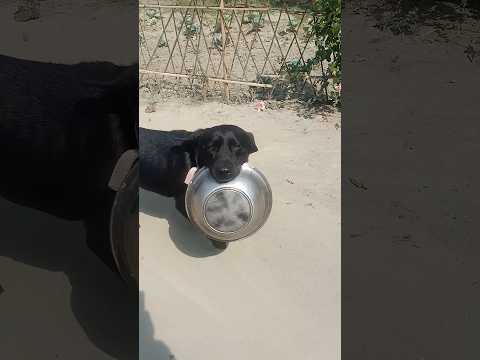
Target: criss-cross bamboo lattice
228,44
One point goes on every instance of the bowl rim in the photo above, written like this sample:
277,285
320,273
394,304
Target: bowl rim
267,210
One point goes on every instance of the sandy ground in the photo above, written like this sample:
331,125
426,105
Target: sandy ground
55,37
410,266
275,295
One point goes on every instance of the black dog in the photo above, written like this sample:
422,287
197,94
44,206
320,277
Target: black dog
167,156
62,130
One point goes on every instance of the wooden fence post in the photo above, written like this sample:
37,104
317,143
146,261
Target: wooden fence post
224,48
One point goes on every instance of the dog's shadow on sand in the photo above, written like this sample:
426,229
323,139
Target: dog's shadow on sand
149,347
185,236
103,306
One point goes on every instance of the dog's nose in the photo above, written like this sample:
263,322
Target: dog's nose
225,171
223,174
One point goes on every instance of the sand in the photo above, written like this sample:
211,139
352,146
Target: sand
410,262
274,295
55,37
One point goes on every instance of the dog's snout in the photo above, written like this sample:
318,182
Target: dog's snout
225,171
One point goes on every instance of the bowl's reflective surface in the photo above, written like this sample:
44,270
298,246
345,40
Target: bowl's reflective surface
232,210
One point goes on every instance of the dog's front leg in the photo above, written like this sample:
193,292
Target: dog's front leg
180,204
98,236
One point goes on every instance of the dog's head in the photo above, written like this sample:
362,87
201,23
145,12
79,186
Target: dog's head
223,149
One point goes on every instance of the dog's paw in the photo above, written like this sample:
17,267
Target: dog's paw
220,245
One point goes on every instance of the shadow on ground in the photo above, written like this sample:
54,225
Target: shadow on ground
185,237
150,348
103,306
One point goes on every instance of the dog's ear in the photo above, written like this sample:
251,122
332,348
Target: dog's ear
252,146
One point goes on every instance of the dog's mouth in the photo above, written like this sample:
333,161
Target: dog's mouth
223,174
223,181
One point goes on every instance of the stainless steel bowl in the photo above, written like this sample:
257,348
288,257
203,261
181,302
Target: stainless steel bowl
232,210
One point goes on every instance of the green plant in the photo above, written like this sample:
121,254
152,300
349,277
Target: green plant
162,42
217,40
295,70
153,13
151,17
292,25
256,21
325,29
191,29
227,23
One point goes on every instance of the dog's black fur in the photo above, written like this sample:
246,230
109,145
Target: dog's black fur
62,129
167,156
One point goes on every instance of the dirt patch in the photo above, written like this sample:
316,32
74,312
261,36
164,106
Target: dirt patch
432,20
55,37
